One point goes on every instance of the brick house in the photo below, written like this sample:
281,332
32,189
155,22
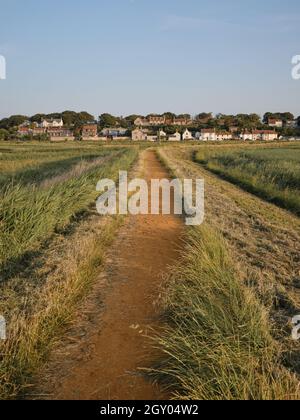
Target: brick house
89,131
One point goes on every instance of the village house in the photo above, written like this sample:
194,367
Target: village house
175,137
54,122
224,135
24,130
59,132
90,131
257,135
162,135
31,130
156,120
187,135
182,122
139,135
275,123
141,122
269,135
208,134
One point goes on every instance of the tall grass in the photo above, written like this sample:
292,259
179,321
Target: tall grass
29,214
39,303
273,174
217,343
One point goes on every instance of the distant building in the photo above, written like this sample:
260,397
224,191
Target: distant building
223,136
269,135
156,120
159,120
24,130
257,135
162,135
90,131
31,130
276,123
54,122
141,122
208,134
59,132
37,131
182,122
187,135
175,137
139,135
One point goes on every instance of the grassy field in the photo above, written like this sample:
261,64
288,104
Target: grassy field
45,196
228,302
272,173
227,333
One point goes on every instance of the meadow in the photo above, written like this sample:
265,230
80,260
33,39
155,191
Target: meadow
271,173
46,194
229,300
226,301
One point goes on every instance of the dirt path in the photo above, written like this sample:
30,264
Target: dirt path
115,349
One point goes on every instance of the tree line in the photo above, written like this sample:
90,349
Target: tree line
74,120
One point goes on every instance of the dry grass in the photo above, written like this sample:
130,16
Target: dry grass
44,310
229,331
218,343
47,270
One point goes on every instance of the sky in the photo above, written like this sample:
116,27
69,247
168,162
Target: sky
149,56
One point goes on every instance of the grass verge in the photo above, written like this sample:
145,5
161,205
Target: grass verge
218,344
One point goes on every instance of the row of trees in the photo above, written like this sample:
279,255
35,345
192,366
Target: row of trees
70,119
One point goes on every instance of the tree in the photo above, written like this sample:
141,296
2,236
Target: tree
284,116
84,117
37,118
204,117
4,134
185,116
169,115
13,121
108,120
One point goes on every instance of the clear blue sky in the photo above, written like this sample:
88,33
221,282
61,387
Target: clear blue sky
142,56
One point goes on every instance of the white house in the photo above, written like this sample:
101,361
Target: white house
208,134
224,135
269,135
162,135
257,135
139,135
175,137
276,123
187,135
54,122
246,135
